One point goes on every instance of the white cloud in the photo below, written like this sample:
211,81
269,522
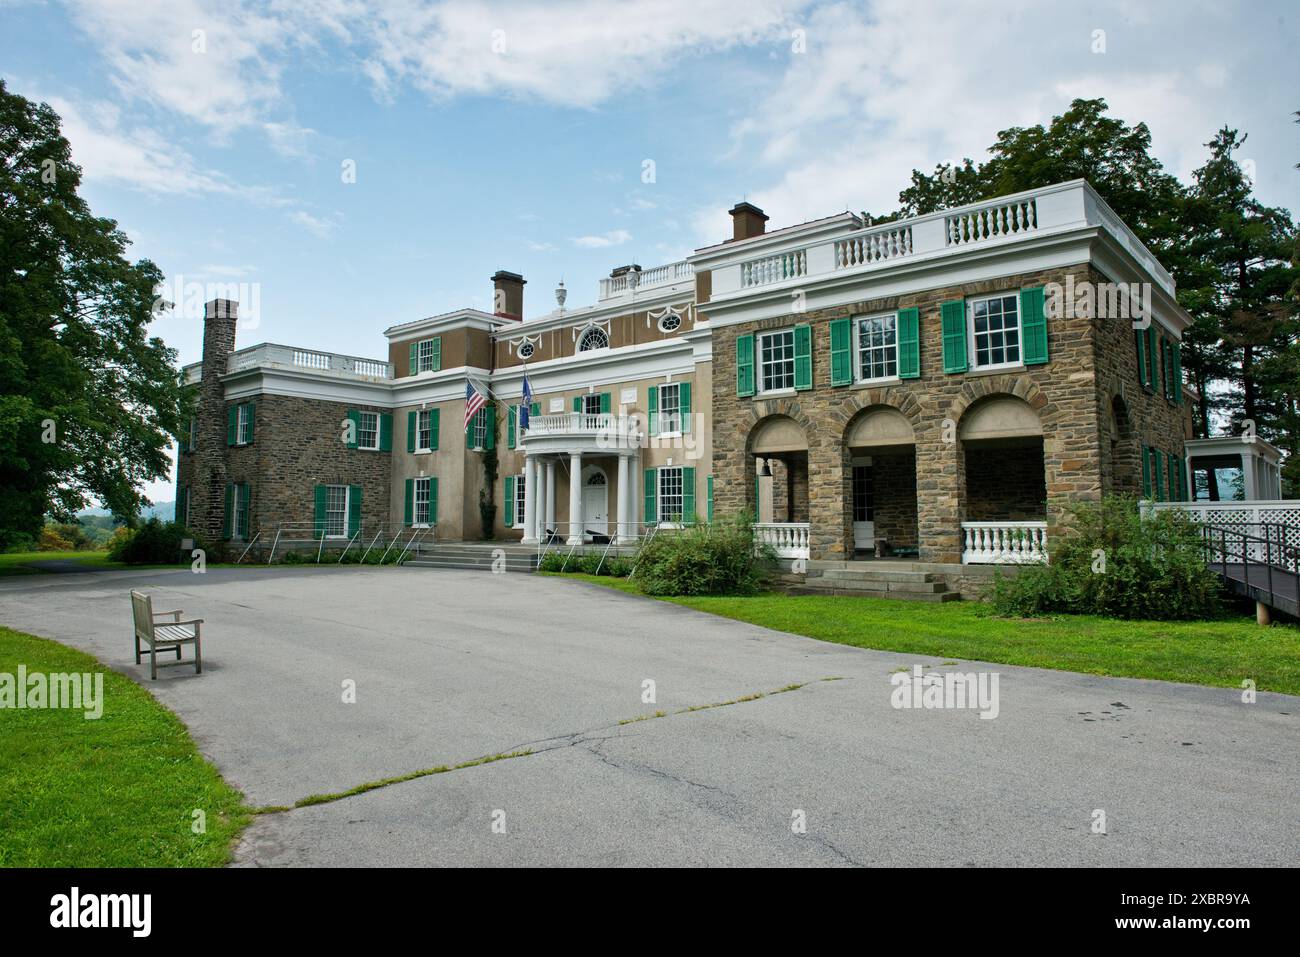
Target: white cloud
320,227
540,247
615,237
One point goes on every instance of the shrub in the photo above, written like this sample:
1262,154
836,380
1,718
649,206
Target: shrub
291,558
718,559
52,541
1113,562
153,543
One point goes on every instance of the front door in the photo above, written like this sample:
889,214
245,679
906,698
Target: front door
864,526
595,504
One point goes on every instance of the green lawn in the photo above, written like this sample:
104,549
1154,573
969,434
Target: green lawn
119,791
18,563
1218,653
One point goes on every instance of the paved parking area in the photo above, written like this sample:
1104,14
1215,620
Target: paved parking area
449,666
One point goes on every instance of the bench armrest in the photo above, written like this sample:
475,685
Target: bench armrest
192,621
176,615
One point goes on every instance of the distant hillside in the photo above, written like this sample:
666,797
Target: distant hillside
164,511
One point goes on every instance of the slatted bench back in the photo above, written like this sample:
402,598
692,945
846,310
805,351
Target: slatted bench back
142,611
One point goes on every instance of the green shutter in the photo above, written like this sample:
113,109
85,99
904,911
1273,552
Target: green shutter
354,417
385,432
435,423
246,507
511,420
652,409
577,403
1176,353
803,357
1033,326
227,514
1139,336
953,317
1157,475
433,500
410,431
469,429
841,352
708,485
1171,466
651,512
509,502
252,419
354,509
535,409
410,502
745,365
684,405
606,402
413,364
436,361
321,497
909,343
1153,354
490,421
688,495
1146,472
232,424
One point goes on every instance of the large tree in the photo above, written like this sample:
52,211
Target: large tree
88,400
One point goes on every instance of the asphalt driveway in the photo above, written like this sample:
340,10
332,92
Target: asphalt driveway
450,666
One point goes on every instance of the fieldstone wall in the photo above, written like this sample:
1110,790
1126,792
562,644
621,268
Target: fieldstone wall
1063,392
1005,484
894,498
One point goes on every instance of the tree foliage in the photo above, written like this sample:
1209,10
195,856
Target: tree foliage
88,399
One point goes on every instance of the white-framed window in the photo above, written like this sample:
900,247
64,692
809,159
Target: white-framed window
518,505
877,352
526,350
593,338
336,511
670,408
479,425
427,358
368,430
420,501
240,496
591,403
776,360
424,430
244,424
670,494
670,322
994,323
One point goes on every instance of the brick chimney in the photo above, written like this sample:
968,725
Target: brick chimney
746,221
209,472
508,294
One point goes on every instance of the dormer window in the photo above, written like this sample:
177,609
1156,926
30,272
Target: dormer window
593,338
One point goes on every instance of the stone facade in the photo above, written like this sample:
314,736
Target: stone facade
1087,358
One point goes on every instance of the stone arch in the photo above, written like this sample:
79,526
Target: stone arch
776,450
1001,439
879,425
1121,462
999,416
776,434
1017,386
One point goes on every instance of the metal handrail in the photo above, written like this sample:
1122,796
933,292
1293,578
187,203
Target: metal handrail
1288,555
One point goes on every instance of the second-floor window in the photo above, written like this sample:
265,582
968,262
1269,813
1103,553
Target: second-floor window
244,425
479,428
995,330
591,403
878,347
776,360
426,355
670,407
368,430
424,430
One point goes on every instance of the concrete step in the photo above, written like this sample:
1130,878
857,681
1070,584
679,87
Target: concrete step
872,574
853,592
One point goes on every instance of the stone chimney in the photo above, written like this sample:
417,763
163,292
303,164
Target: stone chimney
209,470
746,222
508,294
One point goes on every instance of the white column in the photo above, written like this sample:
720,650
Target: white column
550,494
530,500
1249,474
539,498
623,531
575,498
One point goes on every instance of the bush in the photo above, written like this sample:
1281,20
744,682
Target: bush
153,543
52,541
1113,562
718,559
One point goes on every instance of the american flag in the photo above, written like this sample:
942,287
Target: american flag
474,400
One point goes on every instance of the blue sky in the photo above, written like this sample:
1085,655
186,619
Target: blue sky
513,135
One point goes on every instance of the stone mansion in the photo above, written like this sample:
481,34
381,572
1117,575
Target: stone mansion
942,386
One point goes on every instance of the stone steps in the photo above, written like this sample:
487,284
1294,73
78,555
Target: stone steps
477,557
907,581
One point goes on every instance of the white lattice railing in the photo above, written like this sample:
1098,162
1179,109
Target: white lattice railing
991,222
1282,516
789,539
1003,543
760,272
885,242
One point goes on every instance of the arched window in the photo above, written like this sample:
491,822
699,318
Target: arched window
597,479
593,338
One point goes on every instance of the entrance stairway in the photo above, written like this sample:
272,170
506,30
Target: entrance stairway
909,581
1262,564
481,556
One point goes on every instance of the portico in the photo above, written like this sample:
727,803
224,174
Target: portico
583,454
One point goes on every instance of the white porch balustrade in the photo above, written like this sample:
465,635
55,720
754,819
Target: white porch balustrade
1003,543
789,539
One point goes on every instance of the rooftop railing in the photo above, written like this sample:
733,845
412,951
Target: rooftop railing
646,279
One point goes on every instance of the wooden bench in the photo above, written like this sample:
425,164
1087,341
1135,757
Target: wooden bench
159,633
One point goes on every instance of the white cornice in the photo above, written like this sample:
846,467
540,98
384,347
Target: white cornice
609,309
676,356
459,319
